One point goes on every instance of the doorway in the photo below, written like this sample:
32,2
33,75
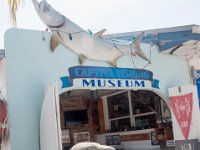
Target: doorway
90,115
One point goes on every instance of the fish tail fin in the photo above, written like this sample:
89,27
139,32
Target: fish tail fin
136,48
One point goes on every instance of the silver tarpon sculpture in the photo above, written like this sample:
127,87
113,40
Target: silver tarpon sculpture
83,43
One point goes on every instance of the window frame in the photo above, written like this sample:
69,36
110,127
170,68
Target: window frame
131,115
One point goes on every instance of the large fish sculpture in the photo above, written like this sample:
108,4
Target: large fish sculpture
83,43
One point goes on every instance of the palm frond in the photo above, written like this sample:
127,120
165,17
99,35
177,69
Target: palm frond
13,6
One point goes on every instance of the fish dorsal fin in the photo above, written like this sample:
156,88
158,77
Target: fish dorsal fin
138,39
82,59
100,33
54,42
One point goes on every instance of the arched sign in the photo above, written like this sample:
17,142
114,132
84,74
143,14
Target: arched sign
101,77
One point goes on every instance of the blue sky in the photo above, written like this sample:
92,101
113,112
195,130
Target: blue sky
116,16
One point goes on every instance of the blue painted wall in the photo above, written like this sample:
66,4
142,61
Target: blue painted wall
31,66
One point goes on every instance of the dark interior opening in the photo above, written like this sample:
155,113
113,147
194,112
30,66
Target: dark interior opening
76,117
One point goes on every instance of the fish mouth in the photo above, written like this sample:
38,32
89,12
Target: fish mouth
48,15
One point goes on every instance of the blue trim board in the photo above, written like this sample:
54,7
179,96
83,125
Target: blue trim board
171,39
165,40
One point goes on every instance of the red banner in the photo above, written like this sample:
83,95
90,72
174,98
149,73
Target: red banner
182,108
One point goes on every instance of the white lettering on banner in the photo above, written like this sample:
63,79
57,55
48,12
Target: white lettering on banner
111,83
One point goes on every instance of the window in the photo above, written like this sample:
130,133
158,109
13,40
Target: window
133,110
145,122
143,102
118,105
120,124
119,112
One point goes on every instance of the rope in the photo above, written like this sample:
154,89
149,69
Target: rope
151,45
149,57
110,38
145,65
154,110
69,32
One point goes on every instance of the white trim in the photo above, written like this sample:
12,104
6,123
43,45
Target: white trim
131,109
131,132
57,108
145,114
124,117
115,93
105,112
